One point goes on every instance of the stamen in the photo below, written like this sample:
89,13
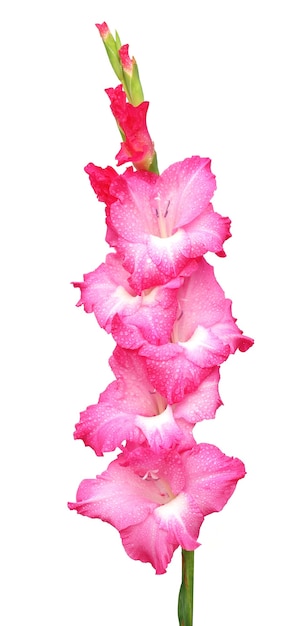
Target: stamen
161,216
150,475
167,209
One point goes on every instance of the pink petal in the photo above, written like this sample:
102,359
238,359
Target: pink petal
161,431
126,335
211,476
106,291
154,261
184,191
118,496
176,369
148,543
228,330
208,232
140,397
100,180
104,426
201,403
175,377
202,303
153,319
182,519
132,215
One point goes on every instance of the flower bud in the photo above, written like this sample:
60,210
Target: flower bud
111,46
132,82
125,68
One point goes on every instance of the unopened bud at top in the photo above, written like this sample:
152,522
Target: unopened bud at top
112,46
124,67
131,76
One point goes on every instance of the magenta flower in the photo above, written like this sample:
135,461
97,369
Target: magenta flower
130,409
158,500
137,146
159,224
203,336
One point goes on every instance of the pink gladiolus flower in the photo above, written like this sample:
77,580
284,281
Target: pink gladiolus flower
131,410
149,316
204,335
158,500
137,146
160,223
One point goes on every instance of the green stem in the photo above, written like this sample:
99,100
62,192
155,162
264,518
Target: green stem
185,600
154,167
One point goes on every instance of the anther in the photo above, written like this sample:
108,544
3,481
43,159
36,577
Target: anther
166,211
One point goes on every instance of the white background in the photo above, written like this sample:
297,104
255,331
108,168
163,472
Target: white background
225,80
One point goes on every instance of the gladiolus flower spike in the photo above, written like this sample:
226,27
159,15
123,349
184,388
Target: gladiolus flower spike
158,297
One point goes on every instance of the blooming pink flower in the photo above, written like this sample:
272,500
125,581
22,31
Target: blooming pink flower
131,410
204,335
160,223
107,293
137,146
158,500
